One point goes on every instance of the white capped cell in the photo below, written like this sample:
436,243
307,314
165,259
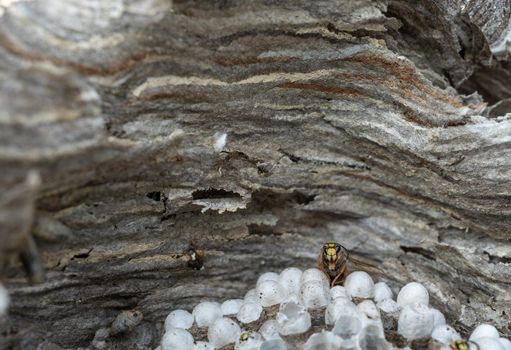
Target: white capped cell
177,338
223,331
445,334
269,330
348,326
314,274
268,276
338,292
270,292
293,297
372,337
368,307
388,306
292,318
359,284
338,307
484,330
249,341
249,312
206,313
415,321
438,318
275,344
251,296
382,292
488,343
179,319
203,345
413,293
4,300
314,294
231,306
324,341
289,279
506,344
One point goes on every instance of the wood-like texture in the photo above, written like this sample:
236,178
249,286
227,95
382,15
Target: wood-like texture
343,123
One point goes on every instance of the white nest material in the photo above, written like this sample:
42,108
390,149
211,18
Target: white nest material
488,343
4,300
177,338
293,318
206,313
314,294
223,331
382,292
251,296
269,330
289,279
203,345
349,322
484,330
413,293
415,321
445,334
338,292
179,319
270,292
220,141
313,274
359,284
249,341
338,308
388,306
231,306
249,312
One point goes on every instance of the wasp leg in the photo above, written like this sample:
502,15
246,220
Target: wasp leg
31,261
344,273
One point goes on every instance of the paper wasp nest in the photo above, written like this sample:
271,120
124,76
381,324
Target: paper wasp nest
298,310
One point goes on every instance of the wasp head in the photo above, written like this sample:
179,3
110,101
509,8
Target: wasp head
334,257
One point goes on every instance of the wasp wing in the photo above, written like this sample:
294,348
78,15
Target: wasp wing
360,265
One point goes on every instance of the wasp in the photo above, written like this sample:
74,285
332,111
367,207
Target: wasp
333,261
462,345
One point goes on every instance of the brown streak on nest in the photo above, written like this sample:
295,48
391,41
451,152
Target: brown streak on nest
323,88
87,70
406,74
402,87
246,60
188,96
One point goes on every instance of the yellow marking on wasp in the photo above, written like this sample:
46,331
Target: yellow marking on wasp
331,251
